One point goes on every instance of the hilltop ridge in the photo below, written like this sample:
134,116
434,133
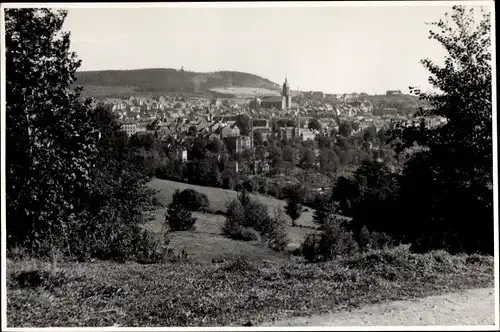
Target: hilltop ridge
105,83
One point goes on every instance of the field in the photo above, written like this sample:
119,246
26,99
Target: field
207,243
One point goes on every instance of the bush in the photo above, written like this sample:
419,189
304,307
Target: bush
336,240
228,183
151,249
256,216
251,186
235,216
193,200
244,212
275,231
310,247
247,234
333,241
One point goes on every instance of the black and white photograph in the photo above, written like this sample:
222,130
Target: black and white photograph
249,165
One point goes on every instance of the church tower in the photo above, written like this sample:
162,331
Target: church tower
286,97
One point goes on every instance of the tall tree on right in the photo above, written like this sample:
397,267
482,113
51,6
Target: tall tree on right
447,187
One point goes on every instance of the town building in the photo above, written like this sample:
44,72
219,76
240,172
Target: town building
230,131
265,132
237,143
280,103
129,128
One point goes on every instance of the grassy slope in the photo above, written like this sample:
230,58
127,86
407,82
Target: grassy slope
229,294
162,80
206,242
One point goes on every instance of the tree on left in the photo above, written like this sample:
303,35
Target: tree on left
50,141
73,181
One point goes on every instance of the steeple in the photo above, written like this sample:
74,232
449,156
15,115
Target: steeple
286,88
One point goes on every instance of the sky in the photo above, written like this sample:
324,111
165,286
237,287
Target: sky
332,49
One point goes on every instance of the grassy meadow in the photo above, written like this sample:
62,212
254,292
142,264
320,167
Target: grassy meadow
207,242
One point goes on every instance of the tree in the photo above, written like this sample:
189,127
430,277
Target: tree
50,138
275,155
198,150
343,143
370,134
381,135
198,172
369,197
293,207
215,145
328,161
147,141
193,131
314,124
308,158
215,176
321,214
454,168
243,121
257,138
178,218
261,152
345,129
289,153
117,203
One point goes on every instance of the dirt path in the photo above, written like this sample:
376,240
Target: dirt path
470,307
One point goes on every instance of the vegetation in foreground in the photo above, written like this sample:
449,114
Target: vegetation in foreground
233,293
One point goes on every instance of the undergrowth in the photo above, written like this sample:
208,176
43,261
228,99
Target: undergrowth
231,293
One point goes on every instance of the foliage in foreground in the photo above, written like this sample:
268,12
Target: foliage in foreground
229,294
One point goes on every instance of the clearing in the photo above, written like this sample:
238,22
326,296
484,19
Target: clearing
207,242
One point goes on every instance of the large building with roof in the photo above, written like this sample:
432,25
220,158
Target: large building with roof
279,102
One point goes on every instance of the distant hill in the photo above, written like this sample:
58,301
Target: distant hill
107,83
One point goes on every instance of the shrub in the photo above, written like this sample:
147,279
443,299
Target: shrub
245,213
151,249
310,247
248,234
235,216
275,231
256,216
364,238
228,182
178,218
193,200
47,278
324,211
251,185
336,240
333,241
